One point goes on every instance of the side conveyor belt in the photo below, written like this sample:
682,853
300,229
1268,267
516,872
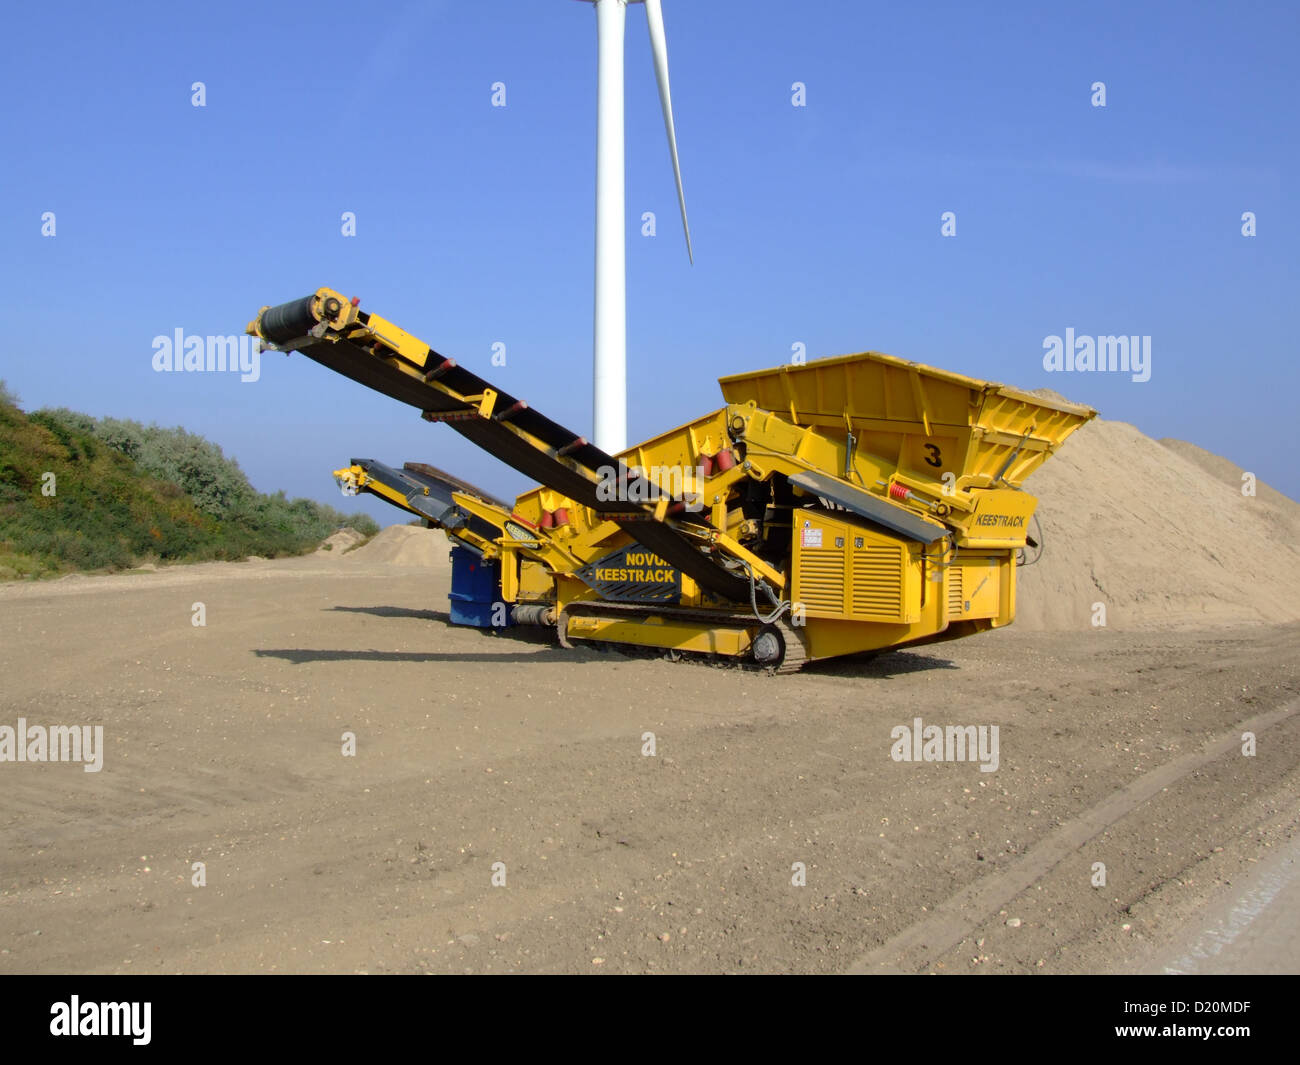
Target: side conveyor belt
441,480
426,491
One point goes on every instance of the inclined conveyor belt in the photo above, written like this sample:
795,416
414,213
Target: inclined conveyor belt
295,326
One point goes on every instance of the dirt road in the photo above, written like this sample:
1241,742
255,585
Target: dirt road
223,745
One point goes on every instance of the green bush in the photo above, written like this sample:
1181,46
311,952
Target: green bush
124,493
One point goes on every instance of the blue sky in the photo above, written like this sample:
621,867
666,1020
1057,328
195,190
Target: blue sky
817,225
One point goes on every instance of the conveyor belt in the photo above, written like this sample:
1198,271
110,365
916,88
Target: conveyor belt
294,326
430,495
431,476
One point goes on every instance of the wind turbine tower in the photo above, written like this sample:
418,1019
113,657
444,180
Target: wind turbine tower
610,333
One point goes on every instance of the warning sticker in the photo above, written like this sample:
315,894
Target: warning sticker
811,537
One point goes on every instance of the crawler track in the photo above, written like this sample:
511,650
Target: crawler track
792,639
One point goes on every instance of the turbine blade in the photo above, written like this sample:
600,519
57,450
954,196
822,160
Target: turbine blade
659,49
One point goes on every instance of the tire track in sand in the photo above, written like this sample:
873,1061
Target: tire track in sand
957,917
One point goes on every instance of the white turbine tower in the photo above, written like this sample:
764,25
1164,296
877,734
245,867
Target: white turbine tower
610,335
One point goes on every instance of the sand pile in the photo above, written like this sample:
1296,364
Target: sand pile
406,545
339,542
1160,532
